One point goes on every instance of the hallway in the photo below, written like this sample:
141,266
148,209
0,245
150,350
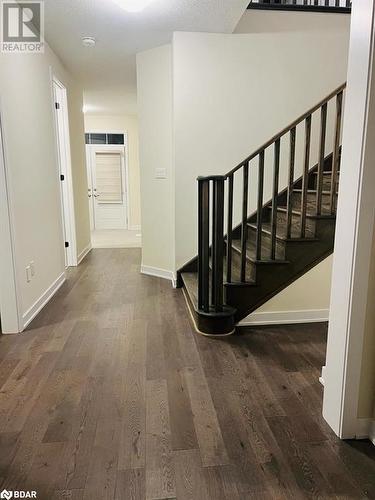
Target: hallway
116,238
111,395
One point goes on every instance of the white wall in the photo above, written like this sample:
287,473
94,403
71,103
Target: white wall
28,121
305,300
128,124
231,94
154,76
276,21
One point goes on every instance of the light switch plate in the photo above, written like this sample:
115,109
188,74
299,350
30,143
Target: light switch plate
160,173
28,274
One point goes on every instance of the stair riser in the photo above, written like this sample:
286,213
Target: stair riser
326,182
236,268
296,222
266,244
311,202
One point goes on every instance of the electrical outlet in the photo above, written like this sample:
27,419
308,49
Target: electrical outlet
32,268
28,274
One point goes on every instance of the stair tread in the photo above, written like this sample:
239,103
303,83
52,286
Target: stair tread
328,172
311,191
325,211
191,283
281,230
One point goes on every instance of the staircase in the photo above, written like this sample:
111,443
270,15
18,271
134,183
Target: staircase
240,268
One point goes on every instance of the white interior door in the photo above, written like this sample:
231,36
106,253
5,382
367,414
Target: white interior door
108,187
66,182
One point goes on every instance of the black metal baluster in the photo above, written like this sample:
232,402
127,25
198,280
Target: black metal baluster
292,158
336,152
260,207
218,244
244,220
229,229
213,242
305,180
275,192
322,147
203,244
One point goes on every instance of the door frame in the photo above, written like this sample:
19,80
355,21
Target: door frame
10,302
62,137
89,153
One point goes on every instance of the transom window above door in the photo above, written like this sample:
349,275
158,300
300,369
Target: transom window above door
105,139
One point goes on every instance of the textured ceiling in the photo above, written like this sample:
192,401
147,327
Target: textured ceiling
108,71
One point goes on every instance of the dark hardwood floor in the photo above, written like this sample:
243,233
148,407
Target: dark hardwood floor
111,395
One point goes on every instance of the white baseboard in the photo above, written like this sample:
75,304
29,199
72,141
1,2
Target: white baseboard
83,254
285,317
372,432
134,228
322,376
364,427
160,273
43,300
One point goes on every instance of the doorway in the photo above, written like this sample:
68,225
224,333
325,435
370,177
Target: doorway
65,171
107,187
108,194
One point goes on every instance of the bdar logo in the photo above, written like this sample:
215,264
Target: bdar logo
6,494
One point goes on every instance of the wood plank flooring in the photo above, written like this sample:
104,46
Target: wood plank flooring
110,395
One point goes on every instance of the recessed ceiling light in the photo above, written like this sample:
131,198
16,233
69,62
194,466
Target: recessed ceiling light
133,5
88,41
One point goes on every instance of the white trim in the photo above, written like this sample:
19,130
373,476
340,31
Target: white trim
286,317
134,228
322,376
363,428
160,273
100,131
354,232
62,133
43,300
11,307
83,254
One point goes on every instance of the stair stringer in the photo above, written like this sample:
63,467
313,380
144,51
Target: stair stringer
272,279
